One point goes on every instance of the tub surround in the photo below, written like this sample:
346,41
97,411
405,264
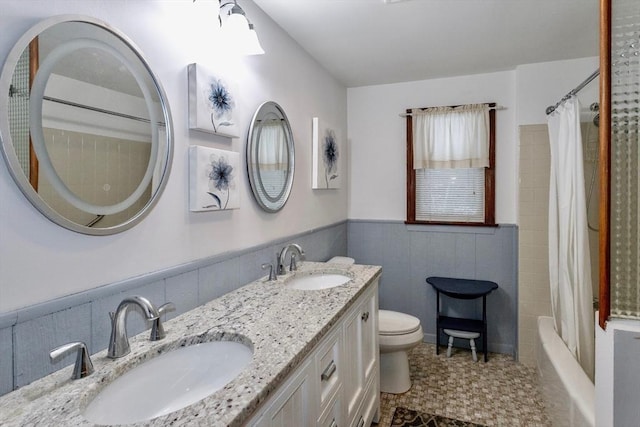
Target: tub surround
282,326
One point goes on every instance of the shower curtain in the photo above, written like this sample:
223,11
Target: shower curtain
569,260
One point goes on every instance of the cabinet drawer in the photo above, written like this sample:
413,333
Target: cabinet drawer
329,365
332,415
369,407
293,404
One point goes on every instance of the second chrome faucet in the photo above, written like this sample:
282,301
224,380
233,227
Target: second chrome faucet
282,257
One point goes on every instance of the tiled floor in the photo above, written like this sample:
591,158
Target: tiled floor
500,392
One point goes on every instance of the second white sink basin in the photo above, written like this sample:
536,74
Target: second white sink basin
169,382
317,281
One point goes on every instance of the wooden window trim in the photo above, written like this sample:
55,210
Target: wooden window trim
489,179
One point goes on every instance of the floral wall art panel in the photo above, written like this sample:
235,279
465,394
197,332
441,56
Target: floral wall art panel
213,179
326,173
212,102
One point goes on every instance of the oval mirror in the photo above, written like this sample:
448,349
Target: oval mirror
270,156
85,129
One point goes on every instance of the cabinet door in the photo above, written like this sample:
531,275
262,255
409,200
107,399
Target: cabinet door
353,384
369,336
294,405
360,350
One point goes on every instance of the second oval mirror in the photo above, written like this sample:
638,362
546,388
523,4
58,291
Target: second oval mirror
270,157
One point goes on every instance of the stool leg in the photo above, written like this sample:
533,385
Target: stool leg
449,346
473,350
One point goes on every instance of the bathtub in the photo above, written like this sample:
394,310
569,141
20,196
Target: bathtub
569,394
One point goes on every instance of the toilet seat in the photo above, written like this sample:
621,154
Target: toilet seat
394,323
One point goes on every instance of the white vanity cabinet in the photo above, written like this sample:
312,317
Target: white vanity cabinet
338,383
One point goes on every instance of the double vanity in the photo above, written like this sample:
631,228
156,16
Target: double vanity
300,349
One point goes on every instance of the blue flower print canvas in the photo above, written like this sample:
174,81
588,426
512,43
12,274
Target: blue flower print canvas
213,179
212,102
326,173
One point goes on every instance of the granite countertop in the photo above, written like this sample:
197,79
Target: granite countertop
282,325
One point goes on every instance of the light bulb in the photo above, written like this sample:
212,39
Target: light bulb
240,34
252,43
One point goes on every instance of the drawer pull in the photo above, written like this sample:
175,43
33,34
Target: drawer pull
333,423
329,370
361,422
365,316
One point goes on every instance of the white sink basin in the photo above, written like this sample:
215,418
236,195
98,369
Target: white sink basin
313,282
169,382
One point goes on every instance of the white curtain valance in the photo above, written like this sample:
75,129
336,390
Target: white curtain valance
451,137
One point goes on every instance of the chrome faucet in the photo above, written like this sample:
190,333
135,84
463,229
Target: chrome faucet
283,256
119,342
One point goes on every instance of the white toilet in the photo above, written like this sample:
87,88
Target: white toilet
397,334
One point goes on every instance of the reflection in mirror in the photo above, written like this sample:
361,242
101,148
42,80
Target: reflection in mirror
88,134
273,158
270,157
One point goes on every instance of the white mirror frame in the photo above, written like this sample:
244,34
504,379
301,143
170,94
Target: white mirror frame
10,155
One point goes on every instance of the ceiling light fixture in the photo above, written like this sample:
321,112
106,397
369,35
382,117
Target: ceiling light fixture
238,29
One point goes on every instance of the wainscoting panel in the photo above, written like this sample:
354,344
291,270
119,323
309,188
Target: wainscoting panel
409,254
6,359
182,290
35,338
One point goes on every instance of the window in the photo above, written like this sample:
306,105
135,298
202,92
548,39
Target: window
446,190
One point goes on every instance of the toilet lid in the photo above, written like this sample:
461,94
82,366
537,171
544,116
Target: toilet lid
395,323
342,260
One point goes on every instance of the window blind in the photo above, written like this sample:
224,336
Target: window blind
451,195
273,183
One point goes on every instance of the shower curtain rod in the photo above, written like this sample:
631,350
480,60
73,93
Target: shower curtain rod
99,110
551,108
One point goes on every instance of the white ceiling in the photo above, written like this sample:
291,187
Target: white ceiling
368,42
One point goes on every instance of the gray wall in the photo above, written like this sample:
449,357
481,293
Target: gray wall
27,335
409,254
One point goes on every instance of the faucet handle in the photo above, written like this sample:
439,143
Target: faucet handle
83,366
272,274
157,330
166,308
